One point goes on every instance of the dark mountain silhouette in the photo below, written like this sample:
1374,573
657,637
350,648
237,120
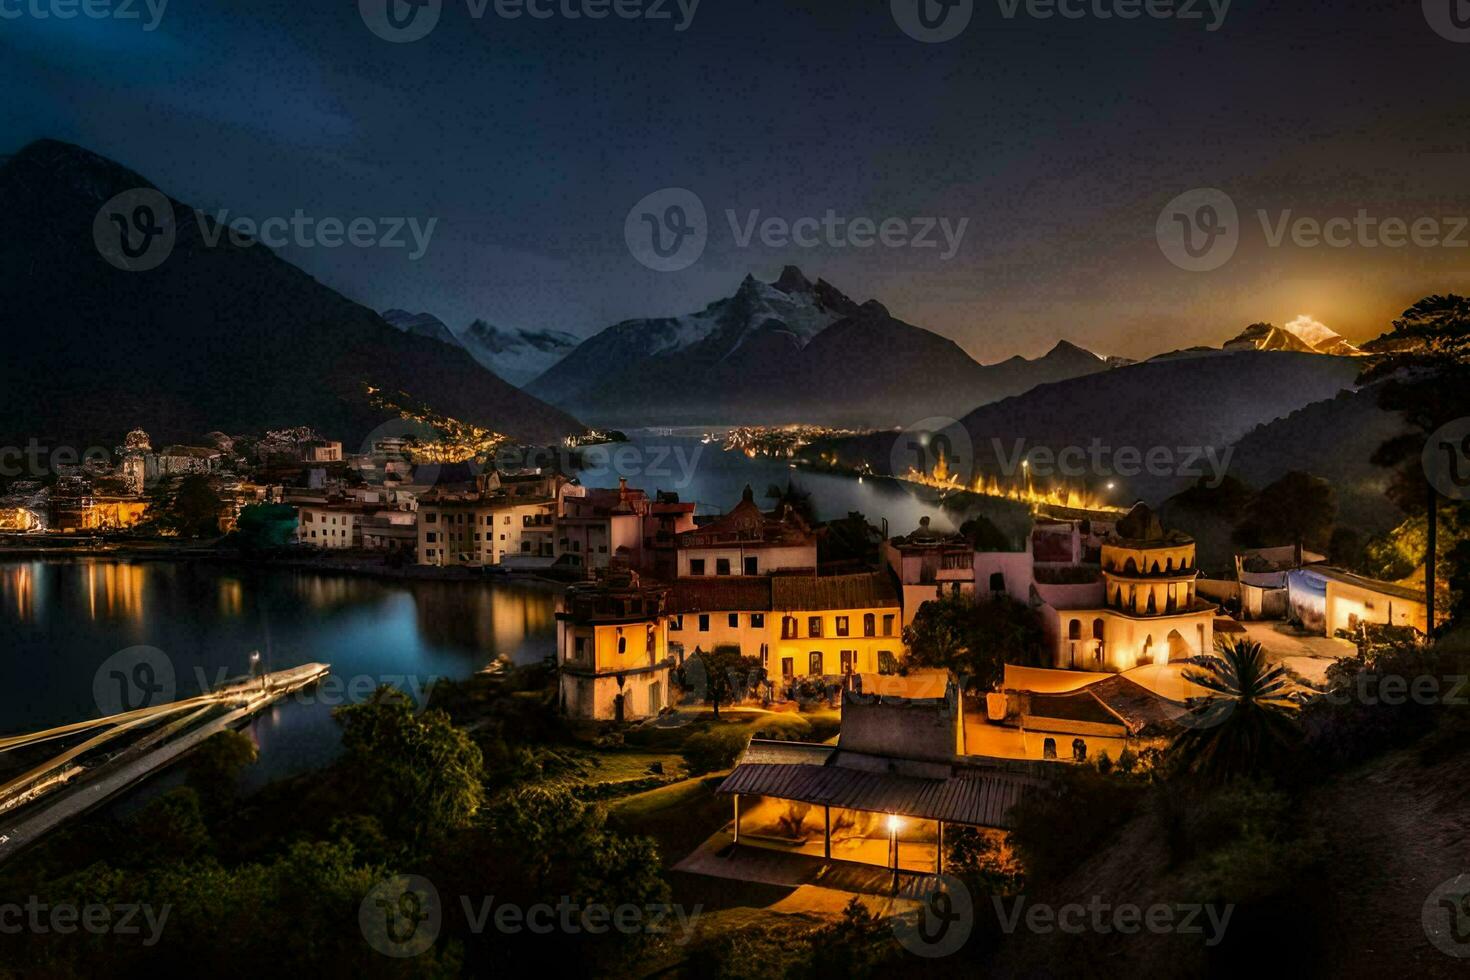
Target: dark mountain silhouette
788,351
1171,404
218,336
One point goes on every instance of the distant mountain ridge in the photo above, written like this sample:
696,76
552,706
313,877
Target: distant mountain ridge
518,356
792,350
421,325
1303,335
1176,406
216,337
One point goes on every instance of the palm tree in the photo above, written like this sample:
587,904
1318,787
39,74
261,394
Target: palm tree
1247,716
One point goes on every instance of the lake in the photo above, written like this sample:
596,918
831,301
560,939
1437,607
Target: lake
680,461
61,619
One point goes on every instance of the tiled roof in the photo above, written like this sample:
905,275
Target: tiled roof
727,593
747,524
1113,701
868,590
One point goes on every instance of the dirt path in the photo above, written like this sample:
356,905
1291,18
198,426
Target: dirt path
1397,830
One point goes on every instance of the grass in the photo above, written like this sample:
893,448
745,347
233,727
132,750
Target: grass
816,726
611,765
679,816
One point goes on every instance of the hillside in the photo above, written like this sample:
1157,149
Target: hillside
1334,439
216,337
1179,406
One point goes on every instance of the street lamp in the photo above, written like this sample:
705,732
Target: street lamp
255,667
893,846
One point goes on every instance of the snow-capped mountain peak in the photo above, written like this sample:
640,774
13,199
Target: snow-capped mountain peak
516,355
793,305
421,324
1304,334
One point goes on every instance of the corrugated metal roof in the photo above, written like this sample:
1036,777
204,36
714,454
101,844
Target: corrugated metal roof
868,590
971,796
1362,582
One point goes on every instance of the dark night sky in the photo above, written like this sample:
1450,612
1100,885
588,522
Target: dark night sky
530,140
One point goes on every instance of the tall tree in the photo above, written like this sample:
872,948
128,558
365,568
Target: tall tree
1298,509
419,771
1425,376
722,675
973,638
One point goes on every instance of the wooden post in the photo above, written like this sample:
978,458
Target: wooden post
1431,559
939,851
827,832
737,818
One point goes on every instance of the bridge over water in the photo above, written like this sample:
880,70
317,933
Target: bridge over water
46,795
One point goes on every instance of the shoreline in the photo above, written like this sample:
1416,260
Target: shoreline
368,568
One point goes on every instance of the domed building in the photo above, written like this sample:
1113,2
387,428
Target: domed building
1146,570
1143,609
138,441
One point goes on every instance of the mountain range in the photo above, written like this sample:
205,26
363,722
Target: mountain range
421,325
520,355
219,336
516,356
787,351
1178,406
1303,334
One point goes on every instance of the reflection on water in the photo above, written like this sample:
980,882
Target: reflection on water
713,479
114,590
59,620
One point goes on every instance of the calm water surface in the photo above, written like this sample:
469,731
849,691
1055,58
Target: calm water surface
61,619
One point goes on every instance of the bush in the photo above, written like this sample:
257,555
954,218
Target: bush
785,728
711,751
1056,831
